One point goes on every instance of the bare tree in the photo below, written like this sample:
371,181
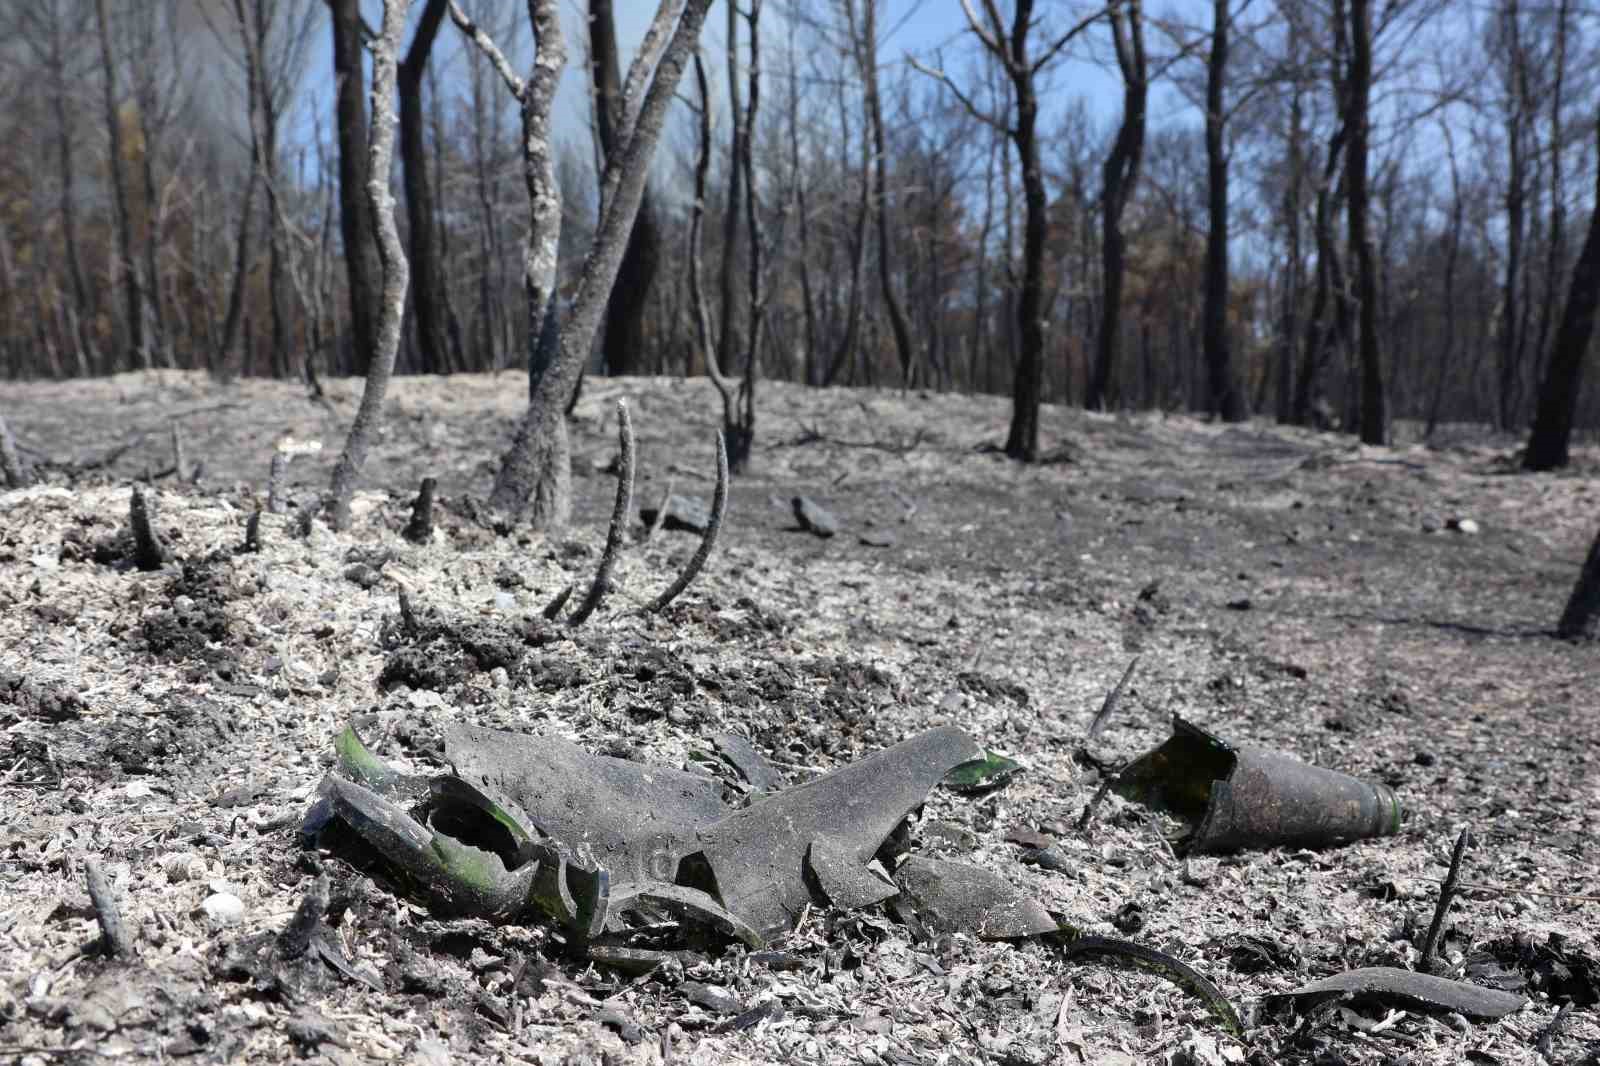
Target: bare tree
428,295
1119,176
128,266
1558,398
625,335
396,271
1374,413
536,472
864,42
1581,617
1226,398
363,267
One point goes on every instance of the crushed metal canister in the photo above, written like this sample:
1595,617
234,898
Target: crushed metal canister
1240,796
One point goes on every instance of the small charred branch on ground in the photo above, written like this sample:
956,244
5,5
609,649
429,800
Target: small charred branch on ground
661,512
1087,817
180,461
420,529
148,551
1113,698
719,506
275,478
252,531
552,610
619,520
11,465
118,941
1447,892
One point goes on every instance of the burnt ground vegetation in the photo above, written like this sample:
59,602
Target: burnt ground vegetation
1384,611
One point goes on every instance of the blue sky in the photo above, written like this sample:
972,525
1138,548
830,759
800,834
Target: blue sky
920,27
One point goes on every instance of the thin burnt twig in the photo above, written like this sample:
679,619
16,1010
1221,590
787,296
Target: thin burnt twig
661,512
148,552
1093,805
719,507
119,943
1447,892
1113,698
619,520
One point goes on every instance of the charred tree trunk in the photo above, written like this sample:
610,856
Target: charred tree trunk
537,469
1558,399
127,265
1374,416
1227,399
866,49
1119,176
395,271
362,266
625,340
1581,618
428,294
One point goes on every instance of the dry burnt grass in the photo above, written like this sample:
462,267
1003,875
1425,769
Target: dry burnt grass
1282,588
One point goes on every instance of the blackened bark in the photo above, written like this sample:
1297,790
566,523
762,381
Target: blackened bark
427,295
1558,398
82,306
128,267
866,46
1119,175
1581,618
1374,416
537,470
395,271
625,335
1022,440
1227,399
362,267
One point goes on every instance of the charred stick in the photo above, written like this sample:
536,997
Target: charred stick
420,529
552,610
719,506
280,466
619,520
252,531
119,943
661,512
1113,698
1093,805
1447,892
148,551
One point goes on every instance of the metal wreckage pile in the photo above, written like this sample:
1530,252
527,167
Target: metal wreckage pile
634,862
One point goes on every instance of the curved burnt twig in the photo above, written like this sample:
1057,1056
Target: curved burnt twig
719,506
